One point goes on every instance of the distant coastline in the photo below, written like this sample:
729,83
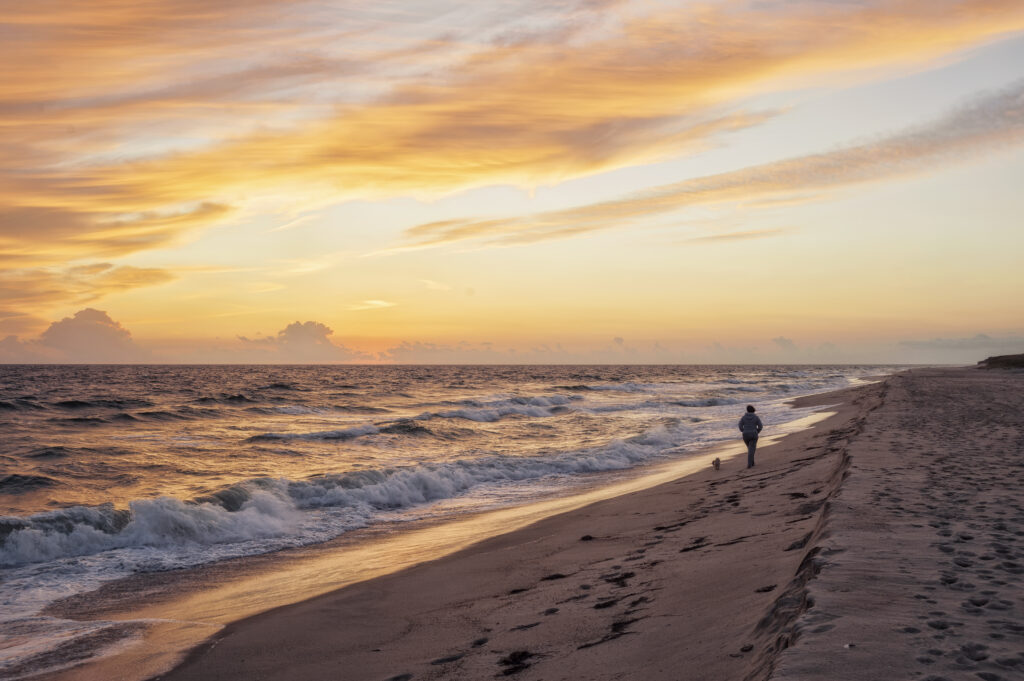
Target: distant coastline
1003,362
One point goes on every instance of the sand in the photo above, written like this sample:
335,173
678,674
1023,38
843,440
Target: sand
884,543
920,568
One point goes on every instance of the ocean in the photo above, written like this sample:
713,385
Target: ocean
112,471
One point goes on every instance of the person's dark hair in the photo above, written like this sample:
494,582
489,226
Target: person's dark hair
750,408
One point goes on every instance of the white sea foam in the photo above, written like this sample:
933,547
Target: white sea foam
276,508
707,402
489,411
155,523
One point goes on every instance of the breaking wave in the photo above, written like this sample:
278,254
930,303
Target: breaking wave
163,522
540,406
267,507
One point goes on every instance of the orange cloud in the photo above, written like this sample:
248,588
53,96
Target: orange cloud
990,123
34,289
125,124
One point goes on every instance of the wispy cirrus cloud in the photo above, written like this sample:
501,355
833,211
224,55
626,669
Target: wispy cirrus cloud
739,236
25,291
32,289
990,122
371,305
44,235
435,285
345,101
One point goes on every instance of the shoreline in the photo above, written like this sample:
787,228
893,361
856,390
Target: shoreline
426,587
158,617
160,611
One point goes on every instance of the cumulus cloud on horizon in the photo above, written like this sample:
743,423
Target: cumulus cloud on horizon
981,341
93,336
90,336
785,344
299,343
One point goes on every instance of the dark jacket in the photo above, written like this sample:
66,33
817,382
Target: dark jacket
750,424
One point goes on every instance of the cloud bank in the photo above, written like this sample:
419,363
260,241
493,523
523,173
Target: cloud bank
133,144
966,350
989,123
92,336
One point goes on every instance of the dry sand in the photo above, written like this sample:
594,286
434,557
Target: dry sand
885,543
920,568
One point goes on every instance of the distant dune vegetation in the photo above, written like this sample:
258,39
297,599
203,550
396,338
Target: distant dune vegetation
1003,362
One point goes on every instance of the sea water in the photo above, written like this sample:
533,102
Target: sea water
110,471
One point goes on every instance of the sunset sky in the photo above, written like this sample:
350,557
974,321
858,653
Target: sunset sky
511,181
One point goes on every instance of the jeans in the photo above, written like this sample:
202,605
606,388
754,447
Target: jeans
751,441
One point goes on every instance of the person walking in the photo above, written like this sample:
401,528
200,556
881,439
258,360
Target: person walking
750,426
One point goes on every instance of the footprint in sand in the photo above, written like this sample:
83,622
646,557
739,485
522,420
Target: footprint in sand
553,576
974,651
515,662
618,629
620,580
695,544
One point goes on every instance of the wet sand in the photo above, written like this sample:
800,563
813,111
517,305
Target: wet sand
886,542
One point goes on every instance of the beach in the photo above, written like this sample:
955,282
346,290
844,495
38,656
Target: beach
399,341
883,543
879,540
151,506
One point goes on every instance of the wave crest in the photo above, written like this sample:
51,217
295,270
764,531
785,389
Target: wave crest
268,507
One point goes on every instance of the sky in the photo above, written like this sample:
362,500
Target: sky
516,181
